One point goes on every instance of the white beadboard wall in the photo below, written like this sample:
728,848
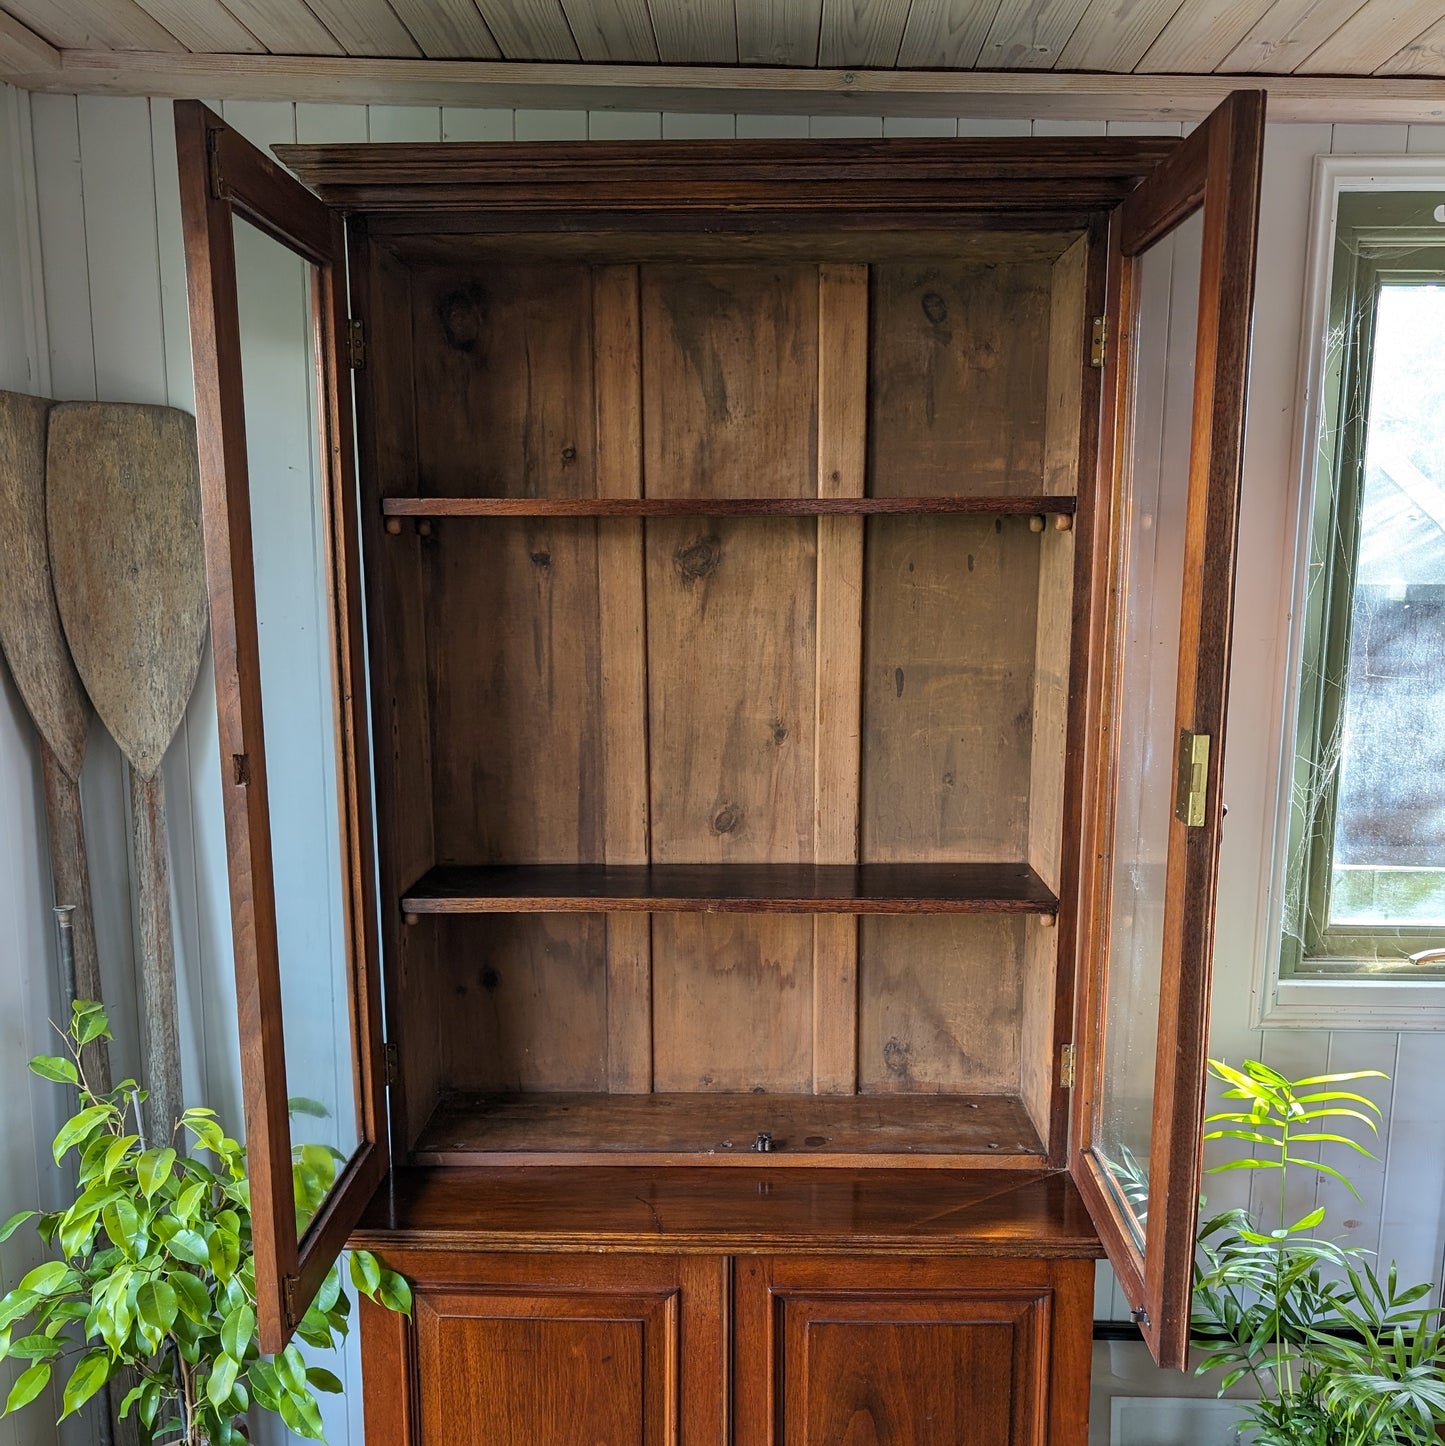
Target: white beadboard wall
92,304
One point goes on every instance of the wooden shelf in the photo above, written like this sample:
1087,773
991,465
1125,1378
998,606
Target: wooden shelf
917,1212
974,888
718,506
720,1129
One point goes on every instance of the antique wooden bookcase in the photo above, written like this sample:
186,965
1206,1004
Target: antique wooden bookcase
771,660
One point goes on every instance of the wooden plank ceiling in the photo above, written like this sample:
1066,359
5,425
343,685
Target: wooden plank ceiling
1272,37
1107,51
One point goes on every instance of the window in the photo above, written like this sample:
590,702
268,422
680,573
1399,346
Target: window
1364,894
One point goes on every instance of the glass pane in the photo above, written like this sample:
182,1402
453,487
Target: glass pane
1389,844
298,631
1155,501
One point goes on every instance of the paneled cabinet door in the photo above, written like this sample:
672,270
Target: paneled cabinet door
843,1352
554,1350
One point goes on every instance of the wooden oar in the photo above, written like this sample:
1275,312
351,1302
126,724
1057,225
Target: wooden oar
124,518
40,662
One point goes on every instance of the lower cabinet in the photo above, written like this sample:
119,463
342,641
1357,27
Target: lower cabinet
899,1352
706,1350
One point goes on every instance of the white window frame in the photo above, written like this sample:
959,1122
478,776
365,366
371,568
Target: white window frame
1327,1003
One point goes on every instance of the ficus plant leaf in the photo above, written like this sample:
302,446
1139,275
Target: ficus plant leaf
152,1272
1337,1357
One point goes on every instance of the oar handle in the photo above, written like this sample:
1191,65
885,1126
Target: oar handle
71,876
160,1030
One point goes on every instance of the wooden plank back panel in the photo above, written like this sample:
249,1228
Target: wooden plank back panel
516,692
617,372
959,360
938,1005
507,405
504,381
842,463
730,375
948,664
524,1001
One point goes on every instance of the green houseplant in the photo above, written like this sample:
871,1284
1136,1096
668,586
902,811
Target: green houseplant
154,1273
1338,1355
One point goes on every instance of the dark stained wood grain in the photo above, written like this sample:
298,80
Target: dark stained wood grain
734,182
432,237
721,1129
701,505
731,888
536,1350
426,1217
908,1350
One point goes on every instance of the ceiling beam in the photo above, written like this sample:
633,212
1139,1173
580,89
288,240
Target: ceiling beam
23,52
727,88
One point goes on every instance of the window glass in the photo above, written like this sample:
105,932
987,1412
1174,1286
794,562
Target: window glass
1366,881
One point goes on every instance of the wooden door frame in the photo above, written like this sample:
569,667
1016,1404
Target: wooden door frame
1216,169
222,176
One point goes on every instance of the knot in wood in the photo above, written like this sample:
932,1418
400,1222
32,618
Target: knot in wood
727,818
698,559
460,319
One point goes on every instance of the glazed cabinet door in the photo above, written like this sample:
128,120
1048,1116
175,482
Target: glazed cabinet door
554,1350
900,1352
266,277
1180,291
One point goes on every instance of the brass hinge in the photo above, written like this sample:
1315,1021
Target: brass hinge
1096,344
1193,778
1066,1066
214,177
390,1064
288,1291
356,343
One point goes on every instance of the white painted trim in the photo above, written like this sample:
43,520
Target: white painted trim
1326,1003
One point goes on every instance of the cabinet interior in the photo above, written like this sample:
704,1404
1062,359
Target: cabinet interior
699,825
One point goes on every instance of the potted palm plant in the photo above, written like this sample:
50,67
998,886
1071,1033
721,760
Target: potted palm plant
152,1272
1338,1354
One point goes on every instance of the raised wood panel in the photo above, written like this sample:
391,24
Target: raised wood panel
959,366
910,1353
549,1372
532,1350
